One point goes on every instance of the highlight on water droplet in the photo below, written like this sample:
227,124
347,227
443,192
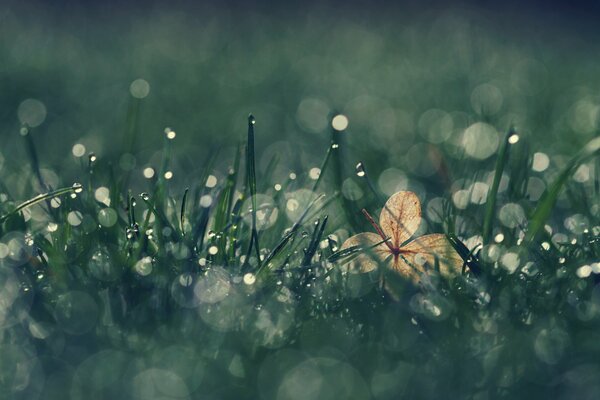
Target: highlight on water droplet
170,133
77,187
360,169
514,138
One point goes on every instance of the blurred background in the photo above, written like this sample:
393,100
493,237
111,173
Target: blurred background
410,77
423,94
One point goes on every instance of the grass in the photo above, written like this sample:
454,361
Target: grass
214,292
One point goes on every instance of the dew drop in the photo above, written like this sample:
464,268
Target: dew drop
77,187
170,134
360,169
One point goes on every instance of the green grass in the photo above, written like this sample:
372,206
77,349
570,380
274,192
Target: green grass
110,291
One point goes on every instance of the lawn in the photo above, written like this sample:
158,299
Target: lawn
210,202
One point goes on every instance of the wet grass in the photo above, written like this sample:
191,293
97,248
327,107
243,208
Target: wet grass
236,287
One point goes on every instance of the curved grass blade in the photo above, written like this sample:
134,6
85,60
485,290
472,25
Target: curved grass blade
546,204
76,188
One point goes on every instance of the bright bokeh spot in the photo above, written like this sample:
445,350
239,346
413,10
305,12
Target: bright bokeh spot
339,122
78,150
480,140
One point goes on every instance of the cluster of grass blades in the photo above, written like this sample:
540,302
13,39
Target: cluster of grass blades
212,290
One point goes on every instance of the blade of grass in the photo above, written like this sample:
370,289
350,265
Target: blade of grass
251,181
467,255
222,213
182,213
76,188
33,156
492,197
315,240
546,204
285,239
324,165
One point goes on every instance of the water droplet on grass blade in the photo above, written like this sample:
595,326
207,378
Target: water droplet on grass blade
360,169
170,134
77,187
